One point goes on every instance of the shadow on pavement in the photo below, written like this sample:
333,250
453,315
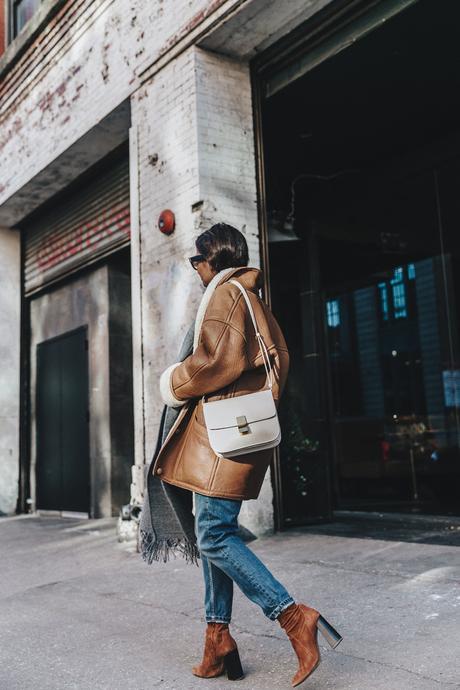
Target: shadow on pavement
424,529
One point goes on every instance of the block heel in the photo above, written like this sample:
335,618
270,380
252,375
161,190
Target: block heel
329,632
232,665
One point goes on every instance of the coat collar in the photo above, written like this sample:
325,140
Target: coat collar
249,276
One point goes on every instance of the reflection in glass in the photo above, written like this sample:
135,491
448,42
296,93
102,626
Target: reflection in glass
398,420
23,11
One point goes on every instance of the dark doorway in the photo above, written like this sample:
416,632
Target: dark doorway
362,166
62,423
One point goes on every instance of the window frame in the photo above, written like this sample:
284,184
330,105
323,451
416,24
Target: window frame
11,8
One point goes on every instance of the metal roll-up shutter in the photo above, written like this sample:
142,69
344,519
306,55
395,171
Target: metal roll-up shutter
92,223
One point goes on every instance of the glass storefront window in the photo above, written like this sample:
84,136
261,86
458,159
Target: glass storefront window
397,426
362,164
22,11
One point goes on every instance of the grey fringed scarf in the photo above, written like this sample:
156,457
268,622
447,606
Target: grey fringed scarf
167,521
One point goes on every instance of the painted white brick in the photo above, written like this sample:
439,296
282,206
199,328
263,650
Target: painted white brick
10,307
94,70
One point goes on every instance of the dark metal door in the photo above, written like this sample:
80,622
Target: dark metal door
62,423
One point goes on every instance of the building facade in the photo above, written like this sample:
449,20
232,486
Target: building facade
265,115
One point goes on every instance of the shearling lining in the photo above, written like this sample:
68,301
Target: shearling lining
166,388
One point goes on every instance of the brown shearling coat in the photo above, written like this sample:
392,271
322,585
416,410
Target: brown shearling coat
227,362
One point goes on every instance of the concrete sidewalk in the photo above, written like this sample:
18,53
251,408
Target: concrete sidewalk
80,610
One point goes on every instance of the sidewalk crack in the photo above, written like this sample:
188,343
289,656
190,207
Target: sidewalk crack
400,668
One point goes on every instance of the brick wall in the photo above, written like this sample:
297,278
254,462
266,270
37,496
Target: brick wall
226,145
10,307
81,67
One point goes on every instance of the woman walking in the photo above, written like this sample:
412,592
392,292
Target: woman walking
221,358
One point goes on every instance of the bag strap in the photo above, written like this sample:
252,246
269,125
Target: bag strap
259,336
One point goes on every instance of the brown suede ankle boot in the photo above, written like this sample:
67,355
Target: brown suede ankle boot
220,654
300,624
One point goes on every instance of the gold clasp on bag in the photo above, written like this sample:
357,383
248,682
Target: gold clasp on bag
243,426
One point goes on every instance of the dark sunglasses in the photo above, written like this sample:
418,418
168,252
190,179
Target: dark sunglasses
196,260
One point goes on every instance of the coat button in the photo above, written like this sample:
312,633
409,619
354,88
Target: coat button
159,470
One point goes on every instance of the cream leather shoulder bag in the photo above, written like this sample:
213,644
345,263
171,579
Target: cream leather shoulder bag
246,423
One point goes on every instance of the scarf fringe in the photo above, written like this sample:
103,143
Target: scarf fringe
153,549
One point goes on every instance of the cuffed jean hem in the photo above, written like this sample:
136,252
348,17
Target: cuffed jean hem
217,620
283,605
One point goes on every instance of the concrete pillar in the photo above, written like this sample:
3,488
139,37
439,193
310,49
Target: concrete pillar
10,310
192,146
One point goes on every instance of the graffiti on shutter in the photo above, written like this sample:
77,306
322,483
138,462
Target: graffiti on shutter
92,224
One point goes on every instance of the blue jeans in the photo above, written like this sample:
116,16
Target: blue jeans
226,559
